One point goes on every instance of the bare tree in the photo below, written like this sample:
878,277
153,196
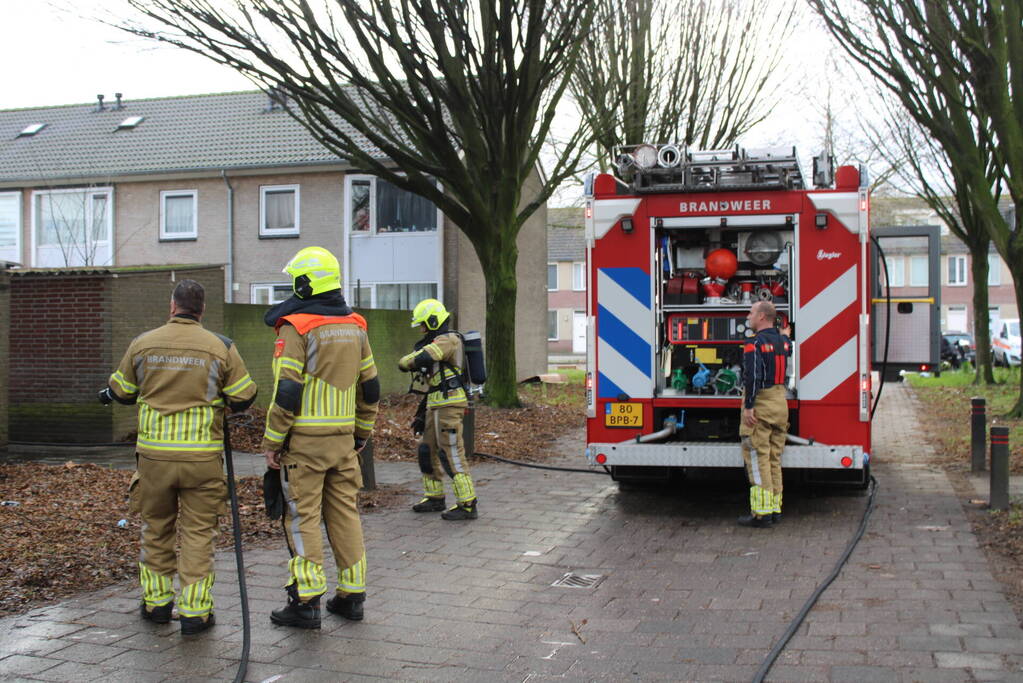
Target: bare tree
73,222
953,67
458,91
692,73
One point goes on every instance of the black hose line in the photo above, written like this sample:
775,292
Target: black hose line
812,600
887,324
243,594
541,467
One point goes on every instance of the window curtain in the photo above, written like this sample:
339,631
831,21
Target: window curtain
9,221
178,215
401,211
280,210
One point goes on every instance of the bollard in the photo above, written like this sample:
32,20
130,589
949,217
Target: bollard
369,473
978,444
999,468
469,429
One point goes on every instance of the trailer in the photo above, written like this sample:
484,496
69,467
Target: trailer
679,244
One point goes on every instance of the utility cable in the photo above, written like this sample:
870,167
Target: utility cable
541,467
243,593
794,625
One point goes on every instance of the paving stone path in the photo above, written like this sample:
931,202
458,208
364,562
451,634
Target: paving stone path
684,594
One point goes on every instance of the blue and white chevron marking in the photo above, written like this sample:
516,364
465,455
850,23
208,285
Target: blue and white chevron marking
625,333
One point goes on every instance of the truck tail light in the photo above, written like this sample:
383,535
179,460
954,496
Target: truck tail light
601,458
846,461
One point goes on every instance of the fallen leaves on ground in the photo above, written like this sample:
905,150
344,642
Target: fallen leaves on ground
62,535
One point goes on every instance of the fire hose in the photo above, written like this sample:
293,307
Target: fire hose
243,594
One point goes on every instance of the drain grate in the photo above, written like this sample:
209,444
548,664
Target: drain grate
573,580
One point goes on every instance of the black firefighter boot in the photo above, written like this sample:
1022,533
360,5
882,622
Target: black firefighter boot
461,511
161,614
764,522
349,606
429,504
297,613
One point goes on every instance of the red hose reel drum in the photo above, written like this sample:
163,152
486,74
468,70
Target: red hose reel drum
721,263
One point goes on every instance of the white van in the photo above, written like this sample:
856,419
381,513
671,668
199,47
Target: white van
1005,344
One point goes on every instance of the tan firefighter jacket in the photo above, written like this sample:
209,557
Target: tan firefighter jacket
325,380
180,374
442,360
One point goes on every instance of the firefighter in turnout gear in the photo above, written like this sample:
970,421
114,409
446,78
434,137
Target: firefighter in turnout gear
324,406
182,377
439,358
765,414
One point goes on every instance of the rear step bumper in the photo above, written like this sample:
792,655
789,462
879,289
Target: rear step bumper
702,454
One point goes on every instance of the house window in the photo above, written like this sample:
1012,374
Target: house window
377,206
578,277
918,276
403,295
552,325
10,226
896,271
360,205
552,277
179,215
957,271
271,293
72,227
278,211
994,272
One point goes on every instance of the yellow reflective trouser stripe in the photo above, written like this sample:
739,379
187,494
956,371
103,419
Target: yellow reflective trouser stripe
760,502
308,577
123,383
238,386
363,424
157,590
187,430
197,599
353,579
366,363
433,488
464,490
453,397
776,503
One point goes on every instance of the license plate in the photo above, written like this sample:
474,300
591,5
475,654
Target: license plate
623,415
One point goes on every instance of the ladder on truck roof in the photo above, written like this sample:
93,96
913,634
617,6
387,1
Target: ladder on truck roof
668,168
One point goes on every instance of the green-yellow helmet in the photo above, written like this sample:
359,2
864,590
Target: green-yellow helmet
429,312
313,270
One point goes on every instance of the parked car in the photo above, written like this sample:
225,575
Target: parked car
1005,345
962,344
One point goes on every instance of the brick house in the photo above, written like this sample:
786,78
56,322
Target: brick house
233,179
566,283
909,273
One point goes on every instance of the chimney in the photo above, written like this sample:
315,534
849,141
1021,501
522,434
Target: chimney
99,106
119,106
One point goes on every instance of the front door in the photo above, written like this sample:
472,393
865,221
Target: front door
579,332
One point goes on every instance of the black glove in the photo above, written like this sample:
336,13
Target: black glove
273,494
106,397
418,425
359,443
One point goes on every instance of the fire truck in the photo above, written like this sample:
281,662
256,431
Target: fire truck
680,244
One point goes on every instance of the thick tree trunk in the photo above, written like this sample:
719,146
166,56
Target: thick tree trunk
498,258
979,268
1015,263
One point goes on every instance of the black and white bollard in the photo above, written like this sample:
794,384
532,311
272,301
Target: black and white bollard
999,468
978,443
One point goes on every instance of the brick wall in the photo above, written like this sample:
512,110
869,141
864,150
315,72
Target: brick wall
5,319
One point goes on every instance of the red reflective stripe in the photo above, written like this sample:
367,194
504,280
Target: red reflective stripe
748,348
779,370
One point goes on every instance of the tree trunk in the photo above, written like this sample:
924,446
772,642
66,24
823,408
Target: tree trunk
498,257
979,268
1015,263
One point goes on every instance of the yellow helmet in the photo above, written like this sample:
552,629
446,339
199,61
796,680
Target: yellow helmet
313,270
429,312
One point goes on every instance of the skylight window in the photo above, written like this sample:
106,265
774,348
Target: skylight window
31,130
130,122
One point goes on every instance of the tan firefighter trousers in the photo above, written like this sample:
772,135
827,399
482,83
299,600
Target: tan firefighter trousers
321,477
762,447
188,495
442,451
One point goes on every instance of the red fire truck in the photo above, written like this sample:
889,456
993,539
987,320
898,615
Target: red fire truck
679,246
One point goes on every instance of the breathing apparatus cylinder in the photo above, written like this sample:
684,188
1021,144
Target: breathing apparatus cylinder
474,362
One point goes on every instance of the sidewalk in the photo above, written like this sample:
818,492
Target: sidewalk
683,593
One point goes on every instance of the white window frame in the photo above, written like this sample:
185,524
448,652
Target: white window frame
265,232
994,270
18,222
916,258
179,236
256,286
960,267
557,325
896,271
557,278
579,286
107,190
372,179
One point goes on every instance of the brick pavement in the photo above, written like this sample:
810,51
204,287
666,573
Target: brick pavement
685,594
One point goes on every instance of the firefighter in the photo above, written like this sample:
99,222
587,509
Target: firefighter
439,358
765,414
324,406
182,377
